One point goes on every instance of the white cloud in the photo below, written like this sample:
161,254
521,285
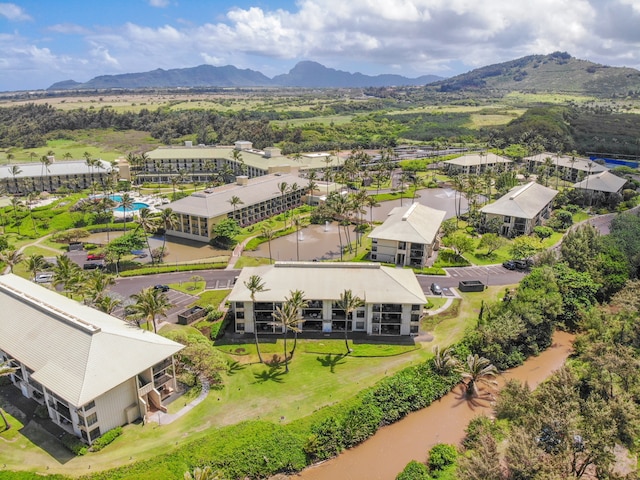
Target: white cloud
68,29
159,3
13,12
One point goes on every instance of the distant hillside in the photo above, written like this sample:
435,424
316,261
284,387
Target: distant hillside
557,72
304,74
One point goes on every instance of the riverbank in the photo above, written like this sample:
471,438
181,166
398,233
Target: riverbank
384,455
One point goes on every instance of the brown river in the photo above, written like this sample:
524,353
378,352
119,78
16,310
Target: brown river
385,454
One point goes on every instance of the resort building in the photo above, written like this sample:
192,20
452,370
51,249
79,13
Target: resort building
393,299
408,235
92,371
24,178
219,164
569,168
477,163
259,198
521,209
604,184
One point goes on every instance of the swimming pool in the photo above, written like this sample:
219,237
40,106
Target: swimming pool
134,207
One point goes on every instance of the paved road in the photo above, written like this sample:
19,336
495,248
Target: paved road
489,275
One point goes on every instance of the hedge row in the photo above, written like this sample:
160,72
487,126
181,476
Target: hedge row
172,268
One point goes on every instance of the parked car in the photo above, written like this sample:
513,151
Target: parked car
95,256
509,265
93,265
44,277
436,289
162,288
523,264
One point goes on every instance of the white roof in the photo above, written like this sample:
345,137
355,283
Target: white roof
473,159
213,202
36,169
371,282
251,157
525,201
415,223
602,182
575,163
77,352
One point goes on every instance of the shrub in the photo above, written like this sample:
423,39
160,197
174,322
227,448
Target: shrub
441,456
42,411
106,439
414,471
74,444
542,232
360,423
326,440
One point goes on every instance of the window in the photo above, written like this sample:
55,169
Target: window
414,329
374,256
240,315
91,419
402,245
240,327
360,314
89,406
507,219
359,325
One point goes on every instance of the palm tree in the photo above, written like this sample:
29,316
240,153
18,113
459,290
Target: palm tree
283,189
371,202
348,302
443,360
312,177
148,224
204,473
236,155
66,274
46,161
168,221
235,201
255,285
126,202
11,258
16,202
107,304
31,197
287,318
10,156
477,370
150,303
35,263
97,284
14,171
298,302
268,233
296,221
5,370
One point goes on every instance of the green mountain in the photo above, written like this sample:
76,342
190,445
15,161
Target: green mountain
558,72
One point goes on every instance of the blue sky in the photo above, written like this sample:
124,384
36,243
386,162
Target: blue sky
46,41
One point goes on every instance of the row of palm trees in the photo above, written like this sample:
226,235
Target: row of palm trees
288,317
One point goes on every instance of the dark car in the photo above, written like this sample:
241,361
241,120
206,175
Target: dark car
509,265
93,265
162,288
523,264
436,289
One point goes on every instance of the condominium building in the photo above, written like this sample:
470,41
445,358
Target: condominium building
214,164
24,178
392,298
521,209
408,235
248,201
568,168
92,371
477,163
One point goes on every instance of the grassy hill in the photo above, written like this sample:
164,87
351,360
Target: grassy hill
556,72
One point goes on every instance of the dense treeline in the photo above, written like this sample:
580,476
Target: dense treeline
584,420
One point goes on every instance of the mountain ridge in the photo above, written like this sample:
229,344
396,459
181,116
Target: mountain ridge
303,74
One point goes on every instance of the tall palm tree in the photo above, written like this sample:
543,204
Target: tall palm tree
5,370
288,318
35,263
348,303
312,177
371,202
148,224
168,221
31,198
477,370
14,171
46,161
268,233
298,302
151,303
11,257
15,203
235,201
283,190
255,284
126,202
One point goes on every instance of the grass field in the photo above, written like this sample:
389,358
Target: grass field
320,375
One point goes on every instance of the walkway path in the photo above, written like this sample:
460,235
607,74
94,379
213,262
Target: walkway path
162,418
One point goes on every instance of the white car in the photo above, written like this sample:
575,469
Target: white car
45,277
